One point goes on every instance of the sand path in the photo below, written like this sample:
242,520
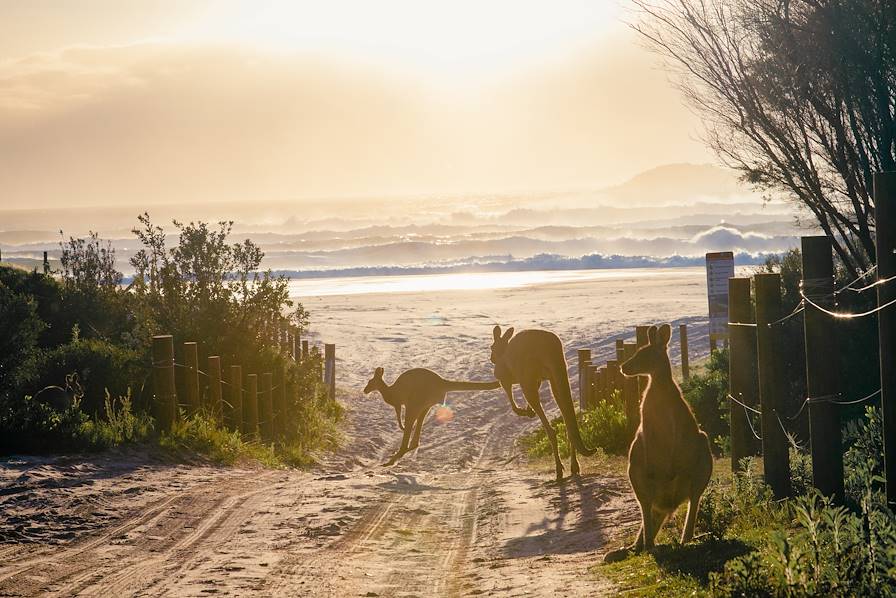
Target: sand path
462,516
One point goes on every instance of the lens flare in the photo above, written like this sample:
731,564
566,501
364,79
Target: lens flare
444,414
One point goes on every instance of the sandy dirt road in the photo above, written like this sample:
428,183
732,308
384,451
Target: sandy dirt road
464,515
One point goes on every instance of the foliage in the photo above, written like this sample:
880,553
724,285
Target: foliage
797,95
20,328
602,426
84,321
824,550
120,425
201,434
706,391
101,367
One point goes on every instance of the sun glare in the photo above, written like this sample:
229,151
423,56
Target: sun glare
434,38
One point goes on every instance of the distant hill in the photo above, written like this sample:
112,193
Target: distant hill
680,184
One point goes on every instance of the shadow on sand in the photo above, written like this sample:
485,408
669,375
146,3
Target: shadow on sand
575,521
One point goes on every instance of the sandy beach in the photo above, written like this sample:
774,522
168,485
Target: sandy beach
465,514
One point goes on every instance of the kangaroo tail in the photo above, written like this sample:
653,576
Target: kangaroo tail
455,385
563,397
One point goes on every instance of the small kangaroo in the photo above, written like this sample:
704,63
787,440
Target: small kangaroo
530,358
669,461
60,398
418,390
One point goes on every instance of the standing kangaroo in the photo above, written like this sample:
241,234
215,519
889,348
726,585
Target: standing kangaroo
530,358
669,461
417,390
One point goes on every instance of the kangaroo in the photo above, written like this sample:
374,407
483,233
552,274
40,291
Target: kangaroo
669,461
417,389
60,398
530,358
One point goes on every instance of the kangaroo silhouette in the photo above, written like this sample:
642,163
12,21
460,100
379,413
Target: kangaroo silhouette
528,359
417,390
62,398
669,461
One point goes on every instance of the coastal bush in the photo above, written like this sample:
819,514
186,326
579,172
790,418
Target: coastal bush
602,426
102,367
201,434
119,425
84,321
706,391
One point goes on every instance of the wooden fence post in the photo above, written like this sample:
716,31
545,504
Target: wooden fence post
612,377
46,264
885,227
600,386
330,368
163,379
685,359
251,416
236,398
296,345
822,377
304,350
281,417
214,387
584,362
191,375
267,406
772,385
741,369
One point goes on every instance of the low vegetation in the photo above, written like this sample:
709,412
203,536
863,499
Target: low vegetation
603,426
75,353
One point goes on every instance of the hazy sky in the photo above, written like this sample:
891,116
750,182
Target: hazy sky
138,102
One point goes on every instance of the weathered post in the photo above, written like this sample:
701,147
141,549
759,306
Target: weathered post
772,385
267,406
251,416
822,377
163,379
215,398
612,377
600,386
236,397
885,219
584,362
191,360
741,368
281,416
586,391
304,350
330,368
685,359
296,345
46,264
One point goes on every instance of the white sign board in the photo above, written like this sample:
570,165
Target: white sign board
719,268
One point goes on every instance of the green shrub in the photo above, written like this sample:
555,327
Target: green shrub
20,328
822,550
100,366
707,393
201,434
603,426
119,425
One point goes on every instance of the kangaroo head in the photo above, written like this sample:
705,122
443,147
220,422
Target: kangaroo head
500,344
652,358
375,383
73,385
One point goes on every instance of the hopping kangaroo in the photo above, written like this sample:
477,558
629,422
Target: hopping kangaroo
417,390
529,358
669,461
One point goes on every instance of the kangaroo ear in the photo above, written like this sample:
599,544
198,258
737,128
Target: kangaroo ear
378,373
651,335
664,334
496,331
508,334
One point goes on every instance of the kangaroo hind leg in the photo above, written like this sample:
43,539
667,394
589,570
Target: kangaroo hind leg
531,393
405,438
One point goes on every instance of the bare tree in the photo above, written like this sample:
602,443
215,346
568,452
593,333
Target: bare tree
798,95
